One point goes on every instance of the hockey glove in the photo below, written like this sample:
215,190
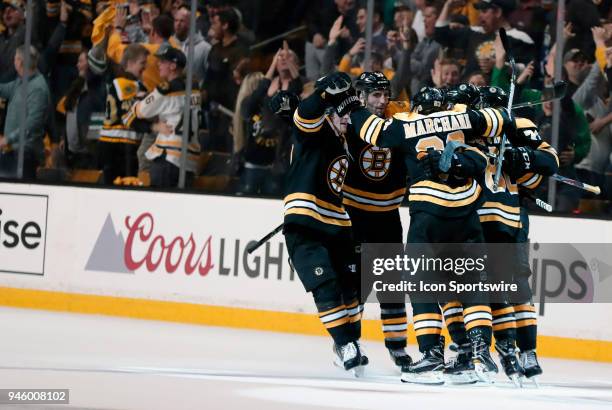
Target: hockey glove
431,164
284,103
518,161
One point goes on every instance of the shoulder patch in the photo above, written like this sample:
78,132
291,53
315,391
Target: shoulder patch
126,89
163,87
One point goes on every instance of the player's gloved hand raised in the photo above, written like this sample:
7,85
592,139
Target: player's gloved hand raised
518,161
333,83
430,163
284,103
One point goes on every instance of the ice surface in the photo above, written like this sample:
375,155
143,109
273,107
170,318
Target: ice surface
116,363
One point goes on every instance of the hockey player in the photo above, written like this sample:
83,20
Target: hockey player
500,221
373,191
317,228
527,162
442,207
167,102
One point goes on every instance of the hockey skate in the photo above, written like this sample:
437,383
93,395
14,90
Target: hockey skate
531,367
484,366
460,369
429,369
350,358
507,357
400,358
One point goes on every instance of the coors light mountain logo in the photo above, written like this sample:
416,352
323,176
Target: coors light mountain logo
144,248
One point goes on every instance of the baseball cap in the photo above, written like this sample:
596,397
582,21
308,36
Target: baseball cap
505,5
174,55
574,54
16,4
399,5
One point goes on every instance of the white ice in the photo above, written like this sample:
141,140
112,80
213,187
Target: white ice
116,363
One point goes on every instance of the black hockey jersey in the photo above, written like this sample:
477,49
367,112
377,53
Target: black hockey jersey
314,182
376,178
416,133
546,161
122,93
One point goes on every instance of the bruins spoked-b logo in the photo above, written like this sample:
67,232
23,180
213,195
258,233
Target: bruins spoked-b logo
336,174
375,162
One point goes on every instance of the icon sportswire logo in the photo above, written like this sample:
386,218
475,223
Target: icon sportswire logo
146,249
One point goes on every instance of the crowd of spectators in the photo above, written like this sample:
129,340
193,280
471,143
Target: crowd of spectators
81,49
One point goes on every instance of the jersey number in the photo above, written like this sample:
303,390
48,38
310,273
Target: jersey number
437,144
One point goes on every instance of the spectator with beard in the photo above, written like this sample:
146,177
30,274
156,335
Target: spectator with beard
201,47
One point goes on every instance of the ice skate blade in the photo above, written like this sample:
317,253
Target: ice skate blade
432,378
483,375
516,380
468,377
358,371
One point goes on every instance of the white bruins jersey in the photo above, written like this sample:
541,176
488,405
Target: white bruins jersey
167,102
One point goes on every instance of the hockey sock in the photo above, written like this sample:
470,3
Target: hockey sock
355,311
478,316
394,324
453,317
333,312
427,319
504,323
526,327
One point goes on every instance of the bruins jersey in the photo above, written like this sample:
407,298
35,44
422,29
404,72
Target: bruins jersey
122,93
415,134
166,102
376,178
546,162
319,165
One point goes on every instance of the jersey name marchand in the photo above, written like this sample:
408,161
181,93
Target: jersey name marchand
446,123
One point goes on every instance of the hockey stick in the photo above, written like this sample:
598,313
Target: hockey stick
502,147
555,92
581,185
253,247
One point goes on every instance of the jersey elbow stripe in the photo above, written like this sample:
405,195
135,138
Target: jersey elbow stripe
306,125
308,212
533,182
495,125
448,194
500,122
312,198
376,202
489,122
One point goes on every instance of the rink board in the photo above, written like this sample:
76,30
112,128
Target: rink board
180,257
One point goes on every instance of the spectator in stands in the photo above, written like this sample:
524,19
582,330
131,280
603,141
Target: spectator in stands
12,34
476,47
321,18
379,35
267,134
582,15
403,16
73,21
201,47
81,112
121,133
446,73
167,102
220,86
592,95
425,52
162,28
38,102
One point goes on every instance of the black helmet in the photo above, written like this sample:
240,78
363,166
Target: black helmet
492,97
467,94
428,100
370,81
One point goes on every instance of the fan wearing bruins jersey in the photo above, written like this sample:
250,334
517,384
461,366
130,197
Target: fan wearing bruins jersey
374,188
317,228
442,207
120,137
167,102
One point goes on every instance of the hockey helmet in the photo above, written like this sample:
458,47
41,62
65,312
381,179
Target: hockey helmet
492,97
370,81
464,93
428,100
